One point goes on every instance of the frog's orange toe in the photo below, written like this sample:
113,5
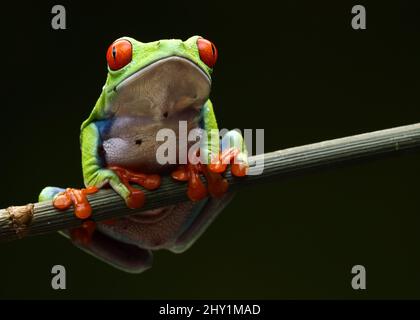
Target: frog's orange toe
136,199
90,190
217,184
217,166
196,189
181,173
220,162
152,182
83,234
239,169
191,173
62,201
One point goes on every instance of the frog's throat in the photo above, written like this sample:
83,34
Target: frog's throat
168,86
158,64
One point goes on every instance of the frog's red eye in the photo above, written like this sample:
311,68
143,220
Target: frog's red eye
119,54
208,52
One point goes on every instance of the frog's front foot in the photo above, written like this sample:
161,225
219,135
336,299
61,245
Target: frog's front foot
136,197
191,173
119,179
232,154
76,198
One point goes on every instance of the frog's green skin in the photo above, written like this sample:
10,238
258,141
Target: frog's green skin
144,54
116,122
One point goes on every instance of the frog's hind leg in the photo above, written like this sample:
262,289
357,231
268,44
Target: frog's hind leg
205,215
123,256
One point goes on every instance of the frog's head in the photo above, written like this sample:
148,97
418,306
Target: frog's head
158,78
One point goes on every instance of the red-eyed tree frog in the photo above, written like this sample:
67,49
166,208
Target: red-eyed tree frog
150,86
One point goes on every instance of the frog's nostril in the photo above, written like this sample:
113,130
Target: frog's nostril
165,114
139,141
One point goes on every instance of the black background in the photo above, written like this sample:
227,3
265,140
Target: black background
294,68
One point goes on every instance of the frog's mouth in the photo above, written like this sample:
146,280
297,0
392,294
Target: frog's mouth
165,88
